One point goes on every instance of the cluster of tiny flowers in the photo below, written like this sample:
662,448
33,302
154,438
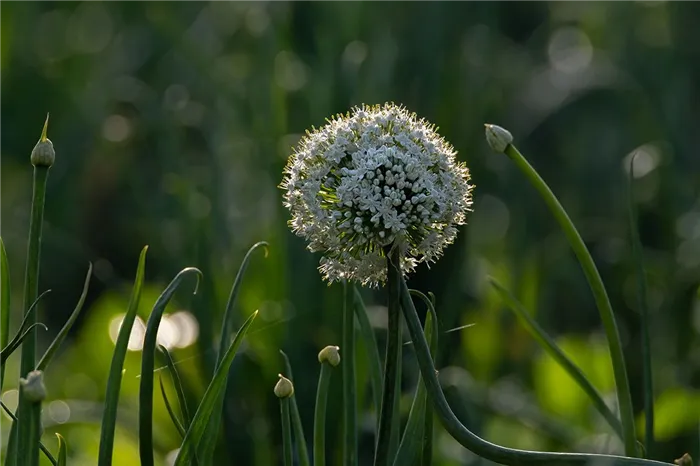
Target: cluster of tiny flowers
374,179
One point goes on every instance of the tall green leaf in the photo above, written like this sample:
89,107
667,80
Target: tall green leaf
109,416
53,347
4,303
211,396
148,365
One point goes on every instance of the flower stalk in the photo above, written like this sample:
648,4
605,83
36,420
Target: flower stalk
284,391
595,282
349,389
387,415
329,357
29,413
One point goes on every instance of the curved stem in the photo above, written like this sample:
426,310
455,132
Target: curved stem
320,415
391,361
349,391
624,398
474,443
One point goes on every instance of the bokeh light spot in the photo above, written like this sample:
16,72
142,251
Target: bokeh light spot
570,50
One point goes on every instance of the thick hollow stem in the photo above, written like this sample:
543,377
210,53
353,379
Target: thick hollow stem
320,415
391,361
624,398
474,443
286,431
29,413
349,392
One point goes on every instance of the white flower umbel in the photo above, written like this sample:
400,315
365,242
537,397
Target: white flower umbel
374,179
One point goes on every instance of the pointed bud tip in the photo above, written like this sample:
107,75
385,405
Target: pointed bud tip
43,154
284,387
330,354
497,137
46,128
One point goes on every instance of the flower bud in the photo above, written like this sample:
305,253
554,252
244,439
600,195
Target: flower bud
33,386
284,387
43,154
330,354
498,138
684,460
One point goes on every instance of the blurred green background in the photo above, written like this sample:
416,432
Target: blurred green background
172,122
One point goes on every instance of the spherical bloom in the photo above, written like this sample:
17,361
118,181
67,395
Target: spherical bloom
375,179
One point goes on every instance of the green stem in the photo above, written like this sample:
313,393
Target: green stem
349,390
387,417
320,415
624,397
296,417
474,443
29,414
286,431
644,308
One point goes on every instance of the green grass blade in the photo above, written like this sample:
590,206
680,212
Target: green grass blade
644,308
4,303
595,282
51,351
551,347
169,408
62,450
409,447
370,342
427,444
148,365
211,396
44,450
349,448
109,416
17,342
227,323
179,389
23,327
212,434
296,418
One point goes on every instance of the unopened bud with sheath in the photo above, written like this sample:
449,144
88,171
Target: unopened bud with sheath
43,154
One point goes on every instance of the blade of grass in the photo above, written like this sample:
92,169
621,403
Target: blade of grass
177,382
471,441
349,389
296,418
148,364
17,341
409,448
211,396
370,342
109,416
212,434
169,408
51,351
23,328
29,413
62,450
427,446
44,450
624,397
550,346
4,304
644,308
